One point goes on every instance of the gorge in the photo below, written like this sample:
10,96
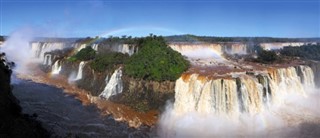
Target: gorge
219,90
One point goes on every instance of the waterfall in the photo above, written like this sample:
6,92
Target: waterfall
56,68
235,48
245,93
114,85
129,49
124,48
229,48
95,47
306,75
40,48
80,46
207,96
79,74
47,60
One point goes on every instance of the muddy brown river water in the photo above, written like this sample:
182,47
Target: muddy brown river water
65,116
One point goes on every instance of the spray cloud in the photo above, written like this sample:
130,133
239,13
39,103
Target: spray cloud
18,50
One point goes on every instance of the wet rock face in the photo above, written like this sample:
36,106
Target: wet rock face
145,95
141,85
92,81
69,67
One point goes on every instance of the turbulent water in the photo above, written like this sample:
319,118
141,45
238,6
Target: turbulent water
247,105
65,116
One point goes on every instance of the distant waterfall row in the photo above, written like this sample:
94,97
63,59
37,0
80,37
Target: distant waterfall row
246,93
40,48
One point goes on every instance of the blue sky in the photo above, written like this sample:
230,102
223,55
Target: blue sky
81,18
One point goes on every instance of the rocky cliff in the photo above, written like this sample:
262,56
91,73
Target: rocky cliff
13,123
140,94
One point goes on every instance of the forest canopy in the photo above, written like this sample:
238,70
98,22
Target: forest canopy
156,61
307,51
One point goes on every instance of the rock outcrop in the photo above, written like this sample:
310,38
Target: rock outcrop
12,122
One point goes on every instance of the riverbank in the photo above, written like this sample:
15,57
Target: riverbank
66,116
119,112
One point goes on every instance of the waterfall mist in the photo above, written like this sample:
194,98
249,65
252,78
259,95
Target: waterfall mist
72,77
285,120
18,50
203,53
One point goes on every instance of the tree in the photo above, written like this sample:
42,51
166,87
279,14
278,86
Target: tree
267,56
84,54
156,61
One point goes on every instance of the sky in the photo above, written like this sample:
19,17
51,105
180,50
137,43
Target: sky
82,18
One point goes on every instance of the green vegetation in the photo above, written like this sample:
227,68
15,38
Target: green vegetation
307,51
108,61
156,61
123,39
84,54
265,56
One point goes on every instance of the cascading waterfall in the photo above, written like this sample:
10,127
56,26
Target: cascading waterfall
56,68
208,96
114,85
250,94
246,105
47,60
40,48
95,47
124,48
307,76
79,74
235,48
229,48
247,93
80,46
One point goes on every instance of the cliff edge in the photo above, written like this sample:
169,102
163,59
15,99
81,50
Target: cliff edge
12,122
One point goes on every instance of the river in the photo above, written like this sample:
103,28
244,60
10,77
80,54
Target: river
65,116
